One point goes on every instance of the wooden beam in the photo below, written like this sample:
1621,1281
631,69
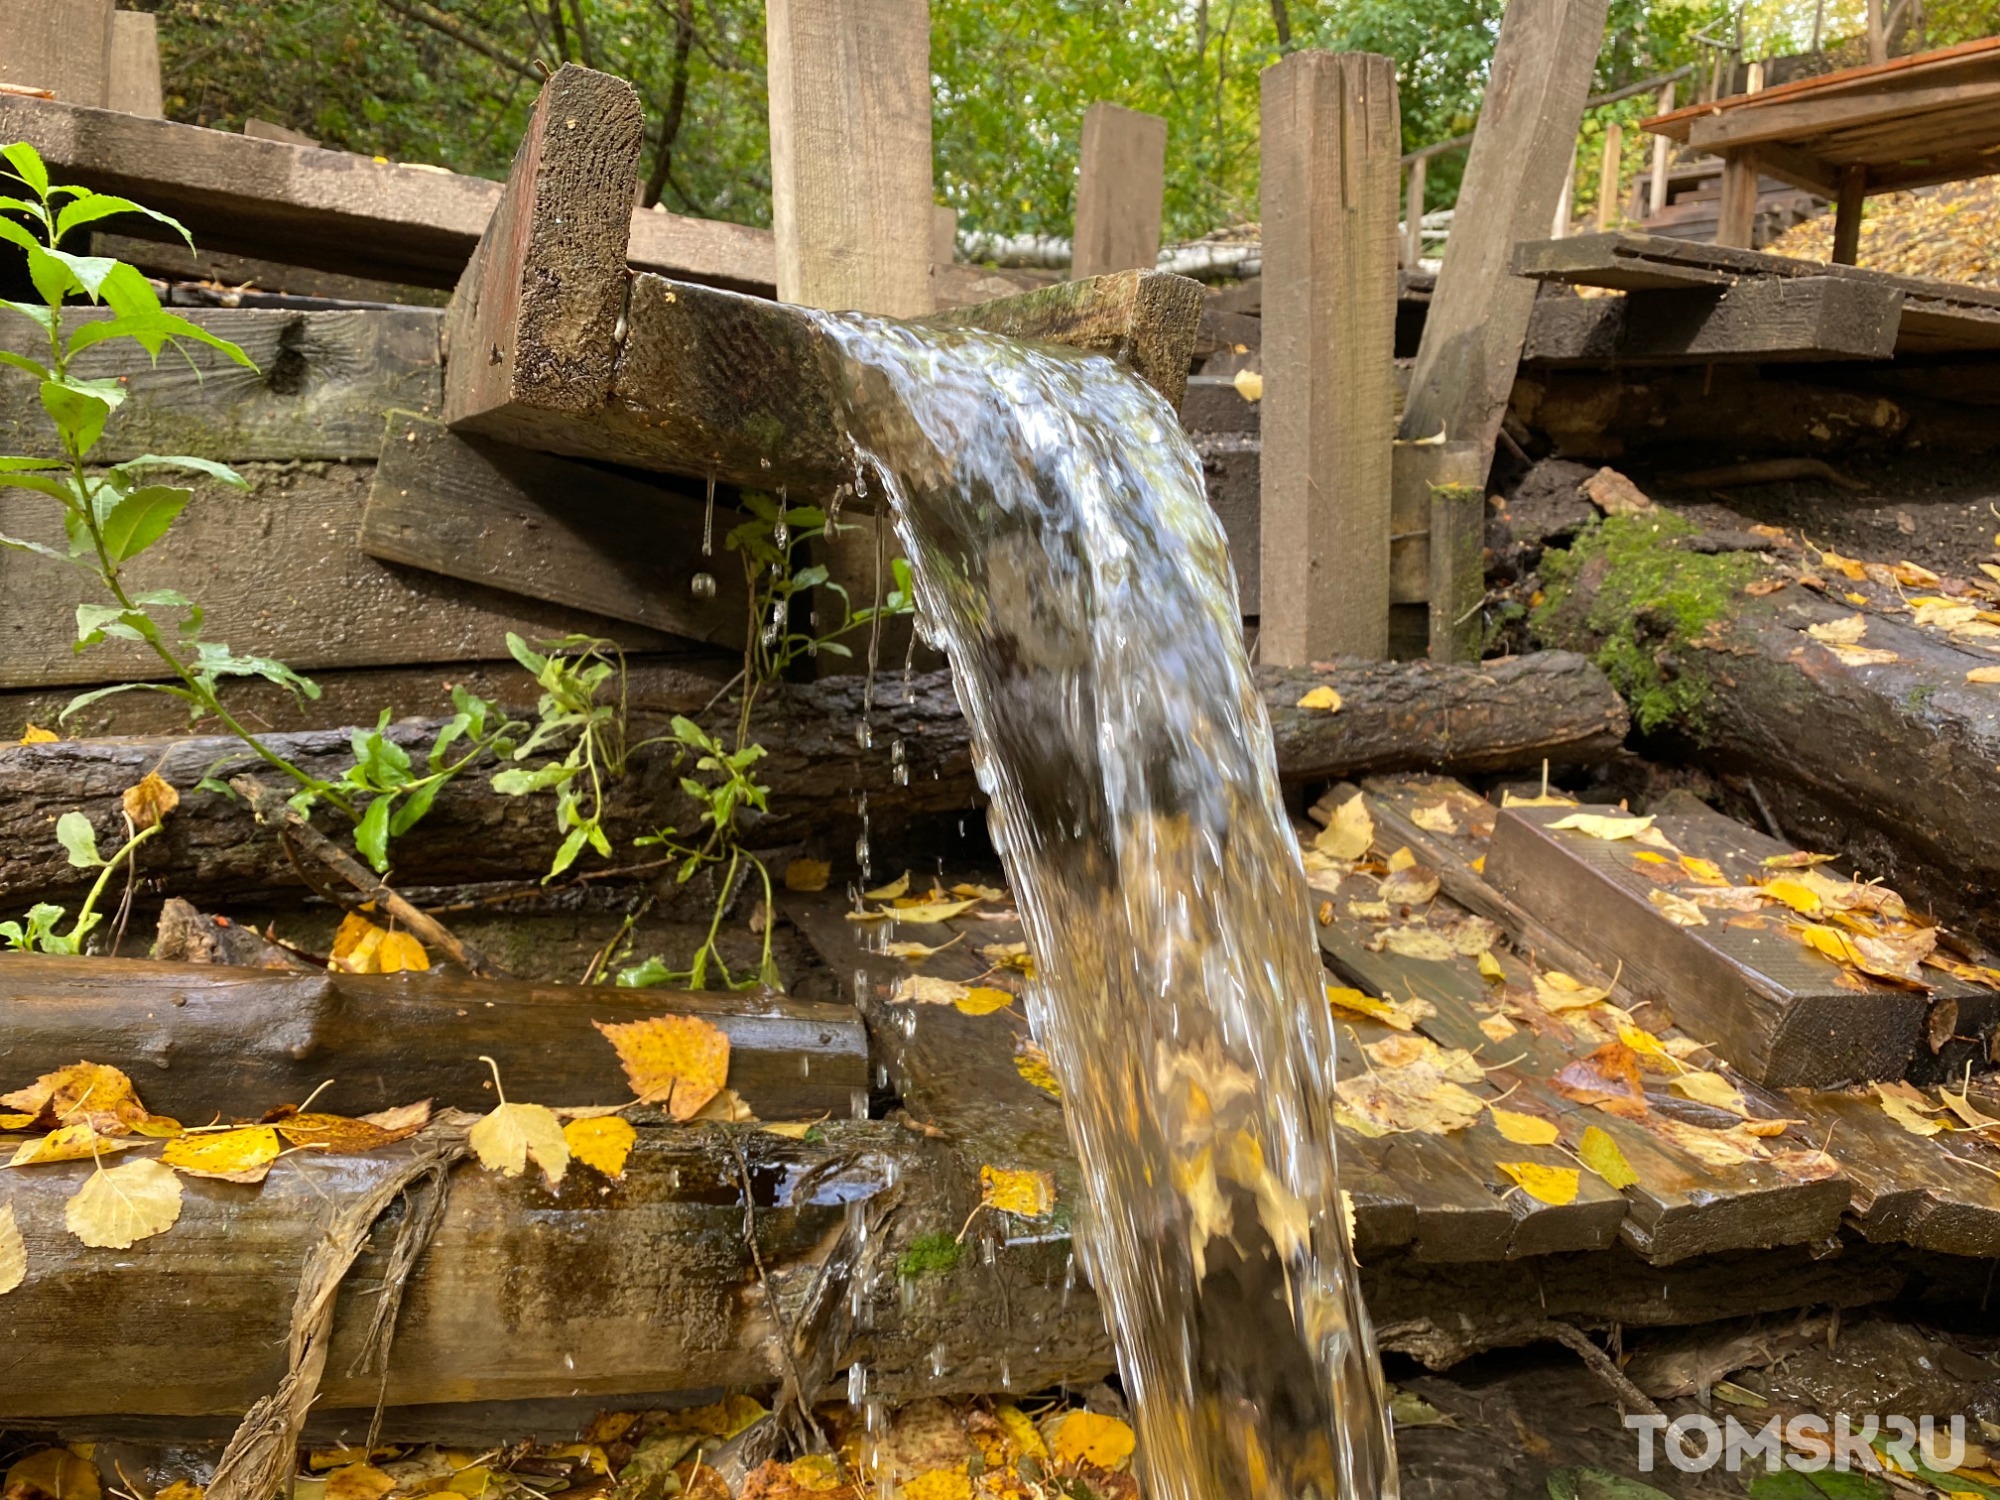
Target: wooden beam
132,83
176,262
1736,220
63,46
1878,33
1454,474
508,518
1804,318
1330,143
271,130
944,235
1522,154
850,91
1610,174
1656,185
1413,215
1847,216
1121,177
1785,119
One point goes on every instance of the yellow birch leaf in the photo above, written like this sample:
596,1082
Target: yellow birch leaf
1641,1040
182,1489
1013,956
16,1122
911,952
1321,697
357,944
1524,1130
1543,799
1414,941
1846,631
1030,1194
726,1108
817,1472
791,1130
1497,1028
1414,885
70,1143
979,892
1558,991
1677,909
601,1143
1402,859
938,1484
1362,1004
1600,1153
56,1473
358,1482
1361,911
1249,384
1350,832
932,911
84,1093
400,952
1983,674
1711,1089
982,1000
119,1206
149,802
1707,871
680,1061
231,1155
1490,970
807,875
1796,894
1907,1108
1089,1437
13,1252
928,989
506,1139
1021,1432
1032,1063
1555,1186
36,735
1603,825
890,891
1434,817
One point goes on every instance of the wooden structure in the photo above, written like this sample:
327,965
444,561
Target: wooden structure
1120,179
1929,118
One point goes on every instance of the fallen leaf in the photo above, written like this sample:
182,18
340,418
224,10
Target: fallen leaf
1414,1085
83,1093
726,1108
1032,1063
1555,1186
1600,1153
148,803
1402,859
13,1252
807,875
1603,825
601,1143
356,945
507,1138
681,1061
1414,885
1434,817
1983,674
1088,1437
1415,942
979,892
1497,1028
1678,910
403,1120
913,951
361,1481
1864,656
1846,566
119,1206
1907,1107
229,1155
1614,494
1711,1089
1707,871
931,911
943,1484
890,891
1946,614
1798,859
1960,1104
1607,1078
399,953
1402,1017
1321,697
53,1474
927,989
1490,970
337,1135
182,1489
1897,957
1758,588
36,735
1350,832
1030,1194
68,1143
1013,956
1524,1130
1796,894
1846,631
1641,1040
791,1130
982,1000
1733,1147
1558,991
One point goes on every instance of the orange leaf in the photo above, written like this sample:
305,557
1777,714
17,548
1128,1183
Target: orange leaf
682,1061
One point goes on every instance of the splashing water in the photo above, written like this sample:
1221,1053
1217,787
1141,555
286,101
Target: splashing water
1066,558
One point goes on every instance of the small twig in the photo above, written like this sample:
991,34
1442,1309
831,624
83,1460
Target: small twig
801,1395
272,810
1764,810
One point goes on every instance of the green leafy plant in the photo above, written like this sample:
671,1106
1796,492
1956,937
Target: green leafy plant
79,841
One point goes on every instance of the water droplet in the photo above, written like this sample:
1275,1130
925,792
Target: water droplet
708,522
702,586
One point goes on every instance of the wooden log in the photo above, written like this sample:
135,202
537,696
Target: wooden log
850,92
507,518
1509,713
320,385
1330,148
280,574
63,46
331,210
1522,154
132,82
1121,175
1810,318
202,1039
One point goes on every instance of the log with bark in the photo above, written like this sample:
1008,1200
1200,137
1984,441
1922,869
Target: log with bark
1508,713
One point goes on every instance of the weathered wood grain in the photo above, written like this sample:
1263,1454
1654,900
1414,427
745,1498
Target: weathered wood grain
132,71
1800,319
63,46
198,1039
1120,178
320,385
177,262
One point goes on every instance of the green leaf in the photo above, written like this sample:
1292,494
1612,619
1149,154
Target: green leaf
94,622
15,544
206,466
74,833
1599,1484
81,408
214,660
91,207
566,855
410,811
142,518
371,834
24,364
535,663
379,763
644,976
26,162
45,316
153,330
53,280
84,700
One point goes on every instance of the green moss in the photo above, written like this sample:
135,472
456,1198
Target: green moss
929,1255
1631,598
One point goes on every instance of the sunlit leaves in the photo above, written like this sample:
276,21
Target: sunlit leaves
601,1142
679,1062
119,1206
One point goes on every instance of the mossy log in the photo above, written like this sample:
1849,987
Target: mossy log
1510,713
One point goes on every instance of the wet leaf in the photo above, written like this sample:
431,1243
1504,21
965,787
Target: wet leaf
1677,909
1497,1028
601,1143
1733,1147
911,952
1030,1194
1796,894
1414,1085
979,892
512,1134
1555,1186
1603,825
1713,1090
400,953
1897,957
53,1474
727,1108
68,1143
1013,956
1524,1130
403,1120
1402,1017
1490,970
13,1252
150,801
337,1135
1350,831
1846,631
1864,656
361,1481
182,1489
982,1000
84,1093
1434,817
1412,886
1907,1107
1983,674
928,989
1321,697
792,1130
1707,871
1558,991
807,875
1542,799
929,912
355,945
681,1061
1088,1437
1362,911
1608,1078
890,891
230,1155
1600,1153
1416,941
938,1484
1032,1063
119,1206
36,735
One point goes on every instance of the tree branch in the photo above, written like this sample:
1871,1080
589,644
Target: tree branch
670,122
444,25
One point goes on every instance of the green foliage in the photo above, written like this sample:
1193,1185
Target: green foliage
929,1255
1648,599
79,842
571,673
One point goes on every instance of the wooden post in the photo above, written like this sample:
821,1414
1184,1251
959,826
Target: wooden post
132,83
1878,33
1413,216
1523,152
1559,225
944,235
1121,177
1847,215
63,46
1331,139
271,130
1454,477
850,87
1609,174
1736,219
1656,194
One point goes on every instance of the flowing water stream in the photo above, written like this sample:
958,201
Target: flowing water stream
1068,563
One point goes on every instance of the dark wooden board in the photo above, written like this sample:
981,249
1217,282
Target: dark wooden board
1774,320
241,273
201,1039
552,529
320,385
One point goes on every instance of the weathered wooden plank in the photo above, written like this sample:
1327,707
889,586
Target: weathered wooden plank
850,91
1329,182
236,272
508,518
202,1038
1776,1010
1804,318
320,385
63,46
132,82
280,572
1736,213
1521,156
1121,175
